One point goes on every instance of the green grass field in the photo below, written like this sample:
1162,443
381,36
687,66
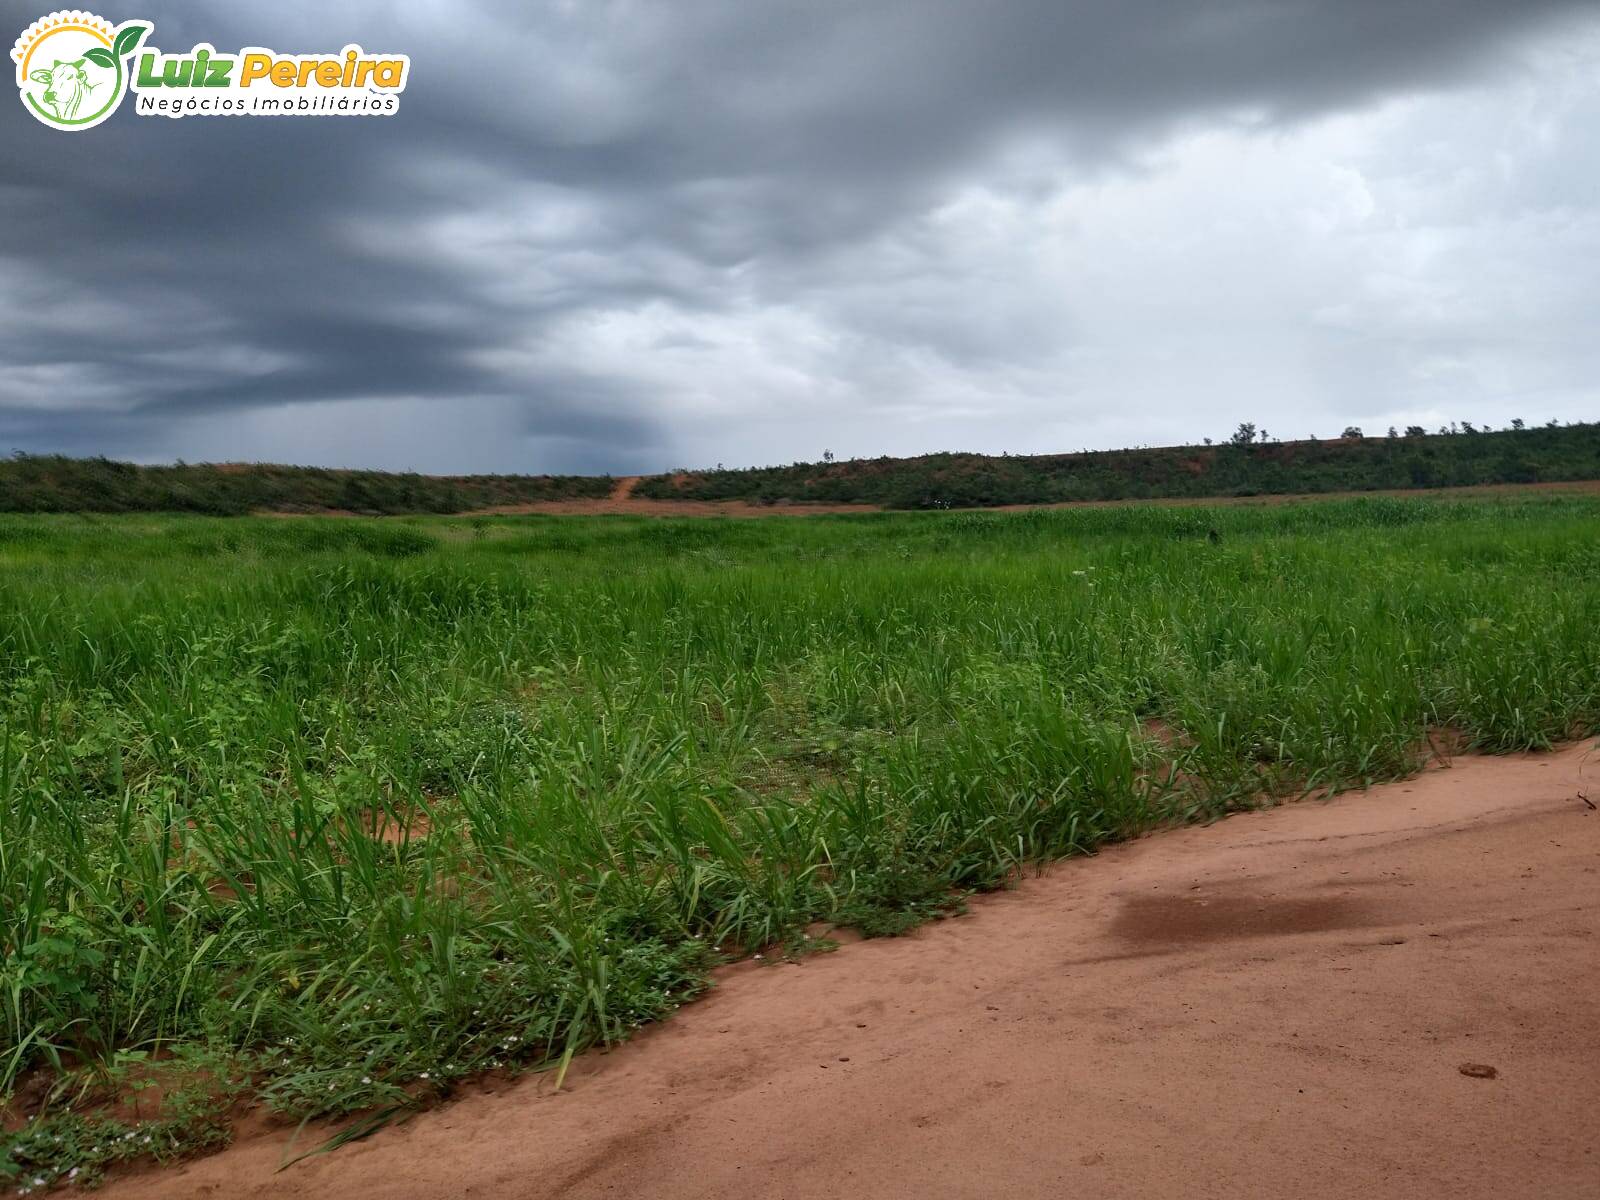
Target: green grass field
338,812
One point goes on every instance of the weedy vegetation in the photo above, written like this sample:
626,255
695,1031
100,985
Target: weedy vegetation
333,814
1246,464
53,483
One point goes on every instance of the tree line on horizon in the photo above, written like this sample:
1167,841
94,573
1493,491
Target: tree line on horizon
56,483
1248,462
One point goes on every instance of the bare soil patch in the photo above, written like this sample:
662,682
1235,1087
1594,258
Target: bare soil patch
1386,993
1167,922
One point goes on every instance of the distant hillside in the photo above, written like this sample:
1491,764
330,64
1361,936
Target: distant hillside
1242,466
50,483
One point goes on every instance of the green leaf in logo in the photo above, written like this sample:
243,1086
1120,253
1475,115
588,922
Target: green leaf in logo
128,40
100,56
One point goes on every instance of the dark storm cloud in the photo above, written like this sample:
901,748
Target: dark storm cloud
583,210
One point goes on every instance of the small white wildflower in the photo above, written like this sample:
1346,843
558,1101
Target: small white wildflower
366,1079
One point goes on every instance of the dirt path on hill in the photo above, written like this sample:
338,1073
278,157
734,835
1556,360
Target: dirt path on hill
1279,1004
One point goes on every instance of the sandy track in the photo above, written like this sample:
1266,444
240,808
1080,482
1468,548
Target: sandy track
1275,1005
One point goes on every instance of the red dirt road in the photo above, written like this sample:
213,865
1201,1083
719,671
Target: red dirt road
1277,1005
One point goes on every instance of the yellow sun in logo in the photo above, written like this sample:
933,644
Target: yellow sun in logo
70,67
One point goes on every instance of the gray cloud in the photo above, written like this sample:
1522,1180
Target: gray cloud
632,236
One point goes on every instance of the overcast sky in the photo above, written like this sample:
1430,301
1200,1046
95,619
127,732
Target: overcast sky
632,236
